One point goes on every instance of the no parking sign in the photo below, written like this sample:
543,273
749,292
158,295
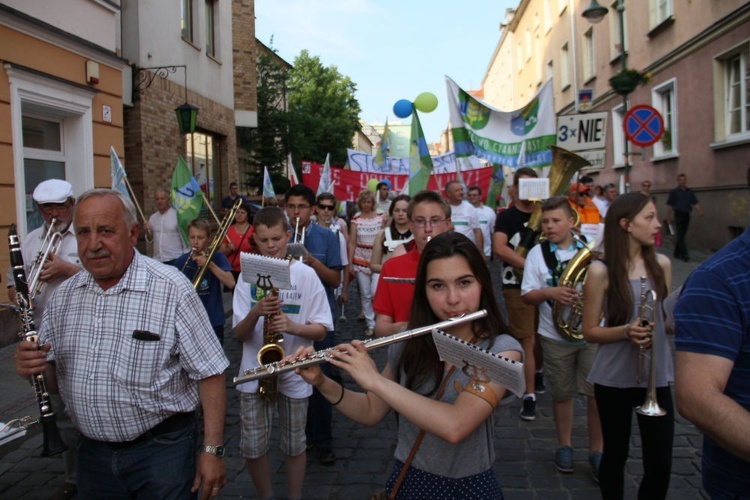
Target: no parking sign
643,125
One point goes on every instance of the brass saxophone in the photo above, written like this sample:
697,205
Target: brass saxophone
271,352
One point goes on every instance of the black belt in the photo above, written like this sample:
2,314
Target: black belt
176,422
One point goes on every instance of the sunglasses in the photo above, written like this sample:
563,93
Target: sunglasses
326,207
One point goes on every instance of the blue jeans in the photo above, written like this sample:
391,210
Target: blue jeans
160,466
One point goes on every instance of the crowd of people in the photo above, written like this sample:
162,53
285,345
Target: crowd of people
133,345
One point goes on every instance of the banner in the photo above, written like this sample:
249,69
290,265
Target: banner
325,185
187,199
117,171
497,136
385,144
347,184
268,191
420,162
442,164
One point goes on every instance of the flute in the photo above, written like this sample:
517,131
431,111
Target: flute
318,357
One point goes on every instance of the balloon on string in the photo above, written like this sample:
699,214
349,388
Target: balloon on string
372,185
426,102
402,108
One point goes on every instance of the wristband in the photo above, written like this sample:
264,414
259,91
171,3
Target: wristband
626,331
341,398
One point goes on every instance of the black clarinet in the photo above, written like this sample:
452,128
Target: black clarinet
52,443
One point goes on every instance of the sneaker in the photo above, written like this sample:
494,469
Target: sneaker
539,386
595,460
528,410
564,459
326,456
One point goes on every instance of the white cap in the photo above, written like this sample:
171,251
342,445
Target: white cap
53,191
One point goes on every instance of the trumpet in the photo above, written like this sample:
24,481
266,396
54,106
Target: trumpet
324,355
647,310
299,240
50,246
216,242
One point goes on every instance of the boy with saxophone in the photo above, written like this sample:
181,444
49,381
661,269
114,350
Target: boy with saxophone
220,273
567,358
300,315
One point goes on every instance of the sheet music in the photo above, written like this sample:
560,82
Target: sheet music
502,371
533,189
255,266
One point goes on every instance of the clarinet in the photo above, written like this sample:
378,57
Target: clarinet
52,443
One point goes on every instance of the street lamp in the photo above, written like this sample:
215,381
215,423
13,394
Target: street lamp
594,14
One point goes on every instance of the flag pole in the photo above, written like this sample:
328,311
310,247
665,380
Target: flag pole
208,205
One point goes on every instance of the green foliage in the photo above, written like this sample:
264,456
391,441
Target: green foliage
323,111
268,144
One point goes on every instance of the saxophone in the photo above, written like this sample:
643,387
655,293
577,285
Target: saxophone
271,352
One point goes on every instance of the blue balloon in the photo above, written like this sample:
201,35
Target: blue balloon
402,108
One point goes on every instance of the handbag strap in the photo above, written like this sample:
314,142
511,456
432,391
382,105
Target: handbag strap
239,248
418,441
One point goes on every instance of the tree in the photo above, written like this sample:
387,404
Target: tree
268,144
323,111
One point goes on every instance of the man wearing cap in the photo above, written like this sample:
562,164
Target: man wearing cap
579,197
54,199
163,228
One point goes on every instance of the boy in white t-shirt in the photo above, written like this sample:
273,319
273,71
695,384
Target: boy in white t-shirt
567,362
302,315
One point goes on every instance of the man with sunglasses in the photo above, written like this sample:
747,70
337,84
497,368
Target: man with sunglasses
325,210
54,199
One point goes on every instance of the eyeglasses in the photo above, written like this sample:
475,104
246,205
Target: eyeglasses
48,208
326,207
422,223
298,207
646,185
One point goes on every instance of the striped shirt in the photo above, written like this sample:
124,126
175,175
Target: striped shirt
131,356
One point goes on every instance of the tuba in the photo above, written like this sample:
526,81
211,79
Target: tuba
564,165
568,319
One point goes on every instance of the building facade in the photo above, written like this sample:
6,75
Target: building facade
697,55
61,102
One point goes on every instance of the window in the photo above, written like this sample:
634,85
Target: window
547,15
519,53
738,93
618,136
614,30
550,71
664,99
589,58
564,67
528,45
658,12
203,156
52,123
211,28
561,5
186,20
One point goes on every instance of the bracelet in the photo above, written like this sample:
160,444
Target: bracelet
625,331
340,398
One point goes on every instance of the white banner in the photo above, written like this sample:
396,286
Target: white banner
443,164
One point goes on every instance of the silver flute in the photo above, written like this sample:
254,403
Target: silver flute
318,357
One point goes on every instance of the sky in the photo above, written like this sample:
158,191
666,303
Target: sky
391,49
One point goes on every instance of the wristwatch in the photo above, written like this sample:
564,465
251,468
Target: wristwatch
213,450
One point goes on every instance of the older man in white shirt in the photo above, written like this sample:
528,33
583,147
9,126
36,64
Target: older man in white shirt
164,230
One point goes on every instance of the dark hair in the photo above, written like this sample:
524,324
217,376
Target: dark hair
427,196
401,197
586,179
419,359
616,249
303,191
377,188
271,217
558,202
233,184
326,196
247,208
681,175
609,185
524,171
474,188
